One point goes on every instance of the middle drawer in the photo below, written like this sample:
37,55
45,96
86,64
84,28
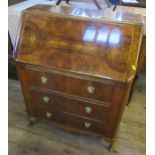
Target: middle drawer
71,105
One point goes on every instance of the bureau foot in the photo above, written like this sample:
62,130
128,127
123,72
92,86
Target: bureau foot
108,145
32,120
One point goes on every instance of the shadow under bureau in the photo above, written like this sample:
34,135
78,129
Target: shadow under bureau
76,66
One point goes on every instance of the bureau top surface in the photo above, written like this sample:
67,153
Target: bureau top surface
80,41
88,14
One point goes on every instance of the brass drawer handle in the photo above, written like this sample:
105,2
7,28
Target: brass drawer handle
48,114
46,99
87,125
44,80
88,110
90,89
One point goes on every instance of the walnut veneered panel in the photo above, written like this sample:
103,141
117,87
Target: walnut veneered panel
86,47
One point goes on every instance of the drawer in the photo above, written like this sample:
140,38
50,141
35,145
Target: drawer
75,106
71,85
71,121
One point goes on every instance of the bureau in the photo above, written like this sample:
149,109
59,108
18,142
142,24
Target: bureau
76,66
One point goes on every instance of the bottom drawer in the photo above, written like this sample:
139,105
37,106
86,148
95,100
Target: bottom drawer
70,120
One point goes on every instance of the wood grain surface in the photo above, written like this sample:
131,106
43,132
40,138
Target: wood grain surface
66,42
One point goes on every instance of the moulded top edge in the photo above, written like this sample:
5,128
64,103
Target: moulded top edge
87,14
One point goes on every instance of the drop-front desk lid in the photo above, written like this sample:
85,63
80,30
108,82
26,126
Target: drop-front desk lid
90,42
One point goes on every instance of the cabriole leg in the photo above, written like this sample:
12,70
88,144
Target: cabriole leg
32,120
107,144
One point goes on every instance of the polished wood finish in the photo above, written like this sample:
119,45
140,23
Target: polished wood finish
41,44
72,121
142,54
71,105
70,85
77,71
49,139
142,57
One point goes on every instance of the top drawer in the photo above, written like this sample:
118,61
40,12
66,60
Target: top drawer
71,85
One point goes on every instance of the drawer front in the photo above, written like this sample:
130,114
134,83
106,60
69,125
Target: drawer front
70,120
71,85
75,106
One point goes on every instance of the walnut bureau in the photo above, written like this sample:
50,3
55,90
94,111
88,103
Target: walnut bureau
76,66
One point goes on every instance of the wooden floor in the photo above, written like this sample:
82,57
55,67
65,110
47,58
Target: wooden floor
45,139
